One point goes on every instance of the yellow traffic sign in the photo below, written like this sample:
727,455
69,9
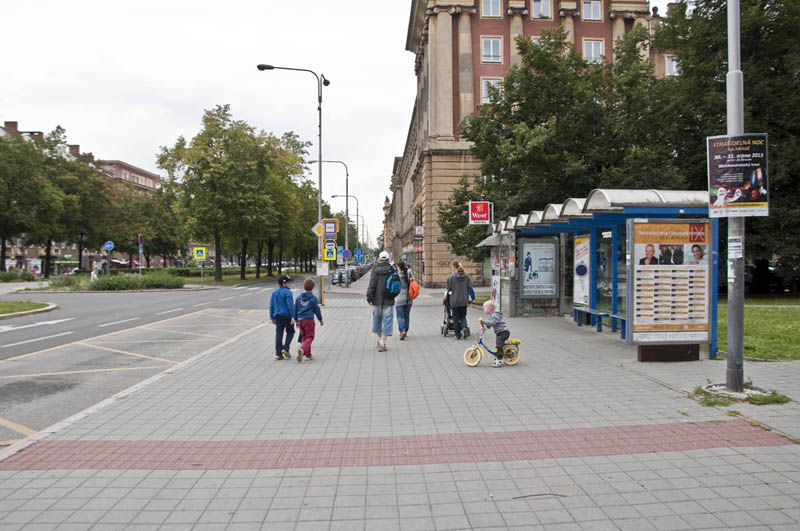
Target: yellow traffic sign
329,254
317,229
199,253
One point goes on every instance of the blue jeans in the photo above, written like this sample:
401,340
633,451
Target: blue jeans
403,315
459,319
382,320
283,323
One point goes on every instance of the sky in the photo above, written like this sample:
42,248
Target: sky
124,78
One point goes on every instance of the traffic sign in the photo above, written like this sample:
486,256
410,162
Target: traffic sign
347,254
330,244
317,229
330,225
330,254
199,253
141,248
109,245
141,239
358,255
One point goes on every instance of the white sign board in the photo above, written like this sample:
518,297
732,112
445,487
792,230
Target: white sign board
582,271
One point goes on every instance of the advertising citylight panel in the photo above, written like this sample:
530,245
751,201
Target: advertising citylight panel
737,176
480,213
669,276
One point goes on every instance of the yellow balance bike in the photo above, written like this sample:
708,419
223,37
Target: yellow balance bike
474,354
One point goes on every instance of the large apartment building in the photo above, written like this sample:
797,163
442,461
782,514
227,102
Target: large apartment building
462,47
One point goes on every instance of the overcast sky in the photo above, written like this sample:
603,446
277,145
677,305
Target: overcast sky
124,78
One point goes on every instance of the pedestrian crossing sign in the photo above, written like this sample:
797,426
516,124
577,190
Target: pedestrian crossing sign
199,253
330,254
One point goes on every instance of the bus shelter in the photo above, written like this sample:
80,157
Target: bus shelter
627,255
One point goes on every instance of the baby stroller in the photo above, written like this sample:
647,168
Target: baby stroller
447,323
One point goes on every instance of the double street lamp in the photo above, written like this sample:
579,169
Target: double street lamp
321,81
346,197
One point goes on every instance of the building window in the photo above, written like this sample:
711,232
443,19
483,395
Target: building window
125,175
490,8
673,68
593,51
485,84
492,50
541,9
591,10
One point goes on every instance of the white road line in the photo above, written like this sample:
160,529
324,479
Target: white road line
37,339
226,298
240,287
251,289
118,322
204,303
8,328
170,311
266,289
246,294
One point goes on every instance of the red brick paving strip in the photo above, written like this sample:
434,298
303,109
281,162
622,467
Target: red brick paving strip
382,451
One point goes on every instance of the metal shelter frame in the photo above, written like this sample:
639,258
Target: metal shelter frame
607,209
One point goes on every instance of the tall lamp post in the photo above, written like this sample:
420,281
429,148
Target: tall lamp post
346,190
363,224
321,81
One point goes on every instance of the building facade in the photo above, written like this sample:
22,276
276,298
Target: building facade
462,47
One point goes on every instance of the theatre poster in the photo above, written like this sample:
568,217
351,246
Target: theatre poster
669,281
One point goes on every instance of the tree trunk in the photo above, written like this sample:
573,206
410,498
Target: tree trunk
80,251
147,259
280,258
130,260
243,261
258,260
270,256
3,252
48,250
217,257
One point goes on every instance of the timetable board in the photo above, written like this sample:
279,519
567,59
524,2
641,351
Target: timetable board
670,284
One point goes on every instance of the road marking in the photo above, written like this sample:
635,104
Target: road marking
154,358
240,287
246,294
118,322
204,303
16,427
88,371
109,334
179,332
244,320
170,311
9,328
266,289
9,442
226,298
251,289
37,339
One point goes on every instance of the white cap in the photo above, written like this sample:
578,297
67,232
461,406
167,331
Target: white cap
383,256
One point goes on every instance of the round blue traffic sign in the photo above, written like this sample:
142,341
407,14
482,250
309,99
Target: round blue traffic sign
109,245
346,254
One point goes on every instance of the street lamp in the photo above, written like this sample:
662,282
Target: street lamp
321,81
346,190
345,208
363,224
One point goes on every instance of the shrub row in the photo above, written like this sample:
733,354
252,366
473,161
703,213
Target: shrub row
134,282
11,276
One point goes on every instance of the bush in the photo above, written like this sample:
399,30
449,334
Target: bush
135,282
27,277
65,281
8,276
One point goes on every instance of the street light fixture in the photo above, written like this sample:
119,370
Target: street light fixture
345,207
346,191
321,81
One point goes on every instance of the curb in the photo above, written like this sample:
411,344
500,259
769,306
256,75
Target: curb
49,308
60,425
21,292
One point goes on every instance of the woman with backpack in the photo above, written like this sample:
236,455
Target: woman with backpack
403,301
382,299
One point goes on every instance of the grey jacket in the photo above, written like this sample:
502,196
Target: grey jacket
495,320
458,285
377,282
403,298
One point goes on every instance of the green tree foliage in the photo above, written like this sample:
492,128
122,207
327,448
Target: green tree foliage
771,68
559,128
21,183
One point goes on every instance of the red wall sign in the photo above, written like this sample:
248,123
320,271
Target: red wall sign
480,213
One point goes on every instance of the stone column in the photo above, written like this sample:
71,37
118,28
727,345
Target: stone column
466,90
516,14
617,31
441,40
567,10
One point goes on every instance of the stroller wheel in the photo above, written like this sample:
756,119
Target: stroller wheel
444,330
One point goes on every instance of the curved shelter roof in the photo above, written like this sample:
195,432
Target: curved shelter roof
534,217
552,212
604,200
573,208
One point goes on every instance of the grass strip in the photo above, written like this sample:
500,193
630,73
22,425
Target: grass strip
7,307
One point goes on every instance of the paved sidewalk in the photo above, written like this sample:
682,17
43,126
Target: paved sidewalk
576,436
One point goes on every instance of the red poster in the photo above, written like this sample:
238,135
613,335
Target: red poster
480,213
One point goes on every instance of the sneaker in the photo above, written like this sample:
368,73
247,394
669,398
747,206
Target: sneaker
309,357
278,356
497,362
381,346
402,336
286,354
299,355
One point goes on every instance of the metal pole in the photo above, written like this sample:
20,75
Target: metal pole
734,379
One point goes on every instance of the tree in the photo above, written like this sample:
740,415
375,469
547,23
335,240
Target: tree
771,67
21,184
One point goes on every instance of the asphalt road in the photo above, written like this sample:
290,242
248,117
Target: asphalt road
84,315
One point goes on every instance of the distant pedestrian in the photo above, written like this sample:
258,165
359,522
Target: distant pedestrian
281,313
305,308
459,288
402,302
382,322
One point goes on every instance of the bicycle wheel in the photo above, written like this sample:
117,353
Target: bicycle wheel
510,354
473,355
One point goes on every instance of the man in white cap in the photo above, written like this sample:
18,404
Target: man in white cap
382,306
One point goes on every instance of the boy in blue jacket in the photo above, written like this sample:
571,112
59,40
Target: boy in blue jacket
305,308
281,313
